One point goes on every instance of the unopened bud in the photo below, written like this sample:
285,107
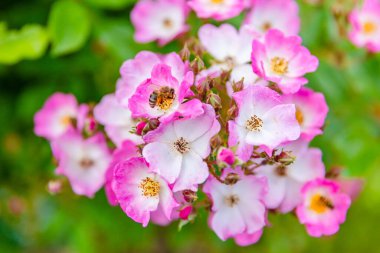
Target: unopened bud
285,158
232,112
215,101
203,85
232,178
54,186
238,86
150,125
185,53
197,65
189,196
140,127
226,155
216,141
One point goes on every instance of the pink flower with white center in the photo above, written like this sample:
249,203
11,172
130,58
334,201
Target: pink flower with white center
162,96
311,111
161,20
365,22
138,70
140,192
117,120
59,114
283,60
127,150
263,120
217,9
83,161
323,208
232,50
237,209
176,149
285,182
274,14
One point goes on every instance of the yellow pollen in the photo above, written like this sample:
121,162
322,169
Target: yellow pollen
279,65
299,115
266,26
254,124
217,1
149,187
320,204
66,120
369,27
86,163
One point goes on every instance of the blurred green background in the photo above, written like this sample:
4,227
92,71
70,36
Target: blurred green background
78,47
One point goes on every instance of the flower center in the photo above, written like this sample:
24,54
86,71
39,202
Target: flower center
299,115
163,98
86,163
181,145
320,204
167,23
369,27
149,187
254,124
231,200
279,65
266,26
281,170
217,1
67,120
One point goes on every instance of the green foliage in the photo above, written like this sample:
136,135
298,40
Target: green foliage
29,42
69,26
110,4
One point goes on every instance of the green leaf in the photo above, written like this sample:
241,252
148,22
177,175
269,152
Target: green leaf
110,4
28,43
69,26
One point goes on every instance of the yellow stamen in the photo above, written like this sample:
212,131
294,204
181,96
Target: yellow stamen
254,124
369,27
320,204
217,1
149,187
279,65
299,115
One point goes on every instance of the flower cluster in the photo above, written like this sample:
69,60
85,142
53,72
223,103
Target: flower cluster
224,125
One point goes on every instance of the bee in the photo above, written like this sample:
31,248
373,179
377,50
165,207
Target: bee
326,202
162,98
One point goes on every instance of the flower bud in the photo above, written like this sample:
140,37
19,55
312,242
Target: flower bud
215,101
189,196
197,65
54,186
185,212
150,125
238,86
140,127
232,112
185,53
216,141
226,156
232,178
285,158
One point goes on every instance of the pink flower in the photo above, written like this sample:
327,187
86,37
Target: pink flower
285,182
217,9
282,60
274,14
161,20
163,96
311,111
246,239
365,22
117,120
59,114
185,212
83,161
136,71
237,209
232,49
140,192
126,151
263,120
323,207
226,156
176,149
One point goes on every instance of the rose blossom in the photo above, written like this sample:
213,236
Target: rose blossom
263,120
217,9
176,149
323,208
83,161
283,60
161,20
140,192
